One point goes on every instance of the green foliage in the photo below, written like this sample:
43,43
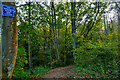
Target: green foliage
20,62
21,58
37,71
96,51
98,58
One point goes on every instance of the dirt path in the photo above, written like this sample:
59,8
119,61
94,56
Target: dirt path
61,72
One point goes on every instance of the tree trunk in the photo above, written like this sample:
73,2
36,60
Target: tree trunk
29,40
56,47
73,26
65,42
44,36
9,44
119,33
66,39
0,41
50,37
119,26
54,29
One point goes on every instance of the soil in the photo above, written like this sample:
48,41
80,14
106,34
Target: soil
61,72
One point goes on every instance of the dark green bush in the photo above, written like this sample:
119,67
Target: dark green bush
99,57
20,62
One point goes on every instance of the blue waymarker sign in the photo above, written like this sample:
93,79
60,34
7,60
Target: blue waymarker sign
8,10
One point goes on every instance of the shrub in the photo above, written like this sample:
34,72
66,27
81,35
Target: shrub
99,57
20,62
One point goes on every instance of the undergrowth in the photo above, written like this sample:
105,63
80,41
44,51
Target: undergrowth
97,60
37,71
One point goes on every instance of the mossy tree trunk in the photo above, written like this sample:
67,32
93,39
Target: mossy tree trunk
10,43
0,41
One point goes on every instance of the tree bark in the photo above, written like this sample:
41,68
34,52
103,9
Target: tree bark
119,33
10,44
118,10
0,41
73,26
